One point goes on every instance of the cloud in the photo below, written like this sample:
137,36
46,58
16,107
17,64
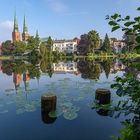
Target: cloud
6,25
57,6
75,13
6,30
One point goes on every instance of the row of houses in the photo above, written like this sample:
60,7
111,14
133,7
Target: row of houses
70,46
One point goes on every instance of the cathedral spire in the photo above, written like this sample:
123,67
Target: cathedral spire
25,34
15,33
15,23
37,35
25,29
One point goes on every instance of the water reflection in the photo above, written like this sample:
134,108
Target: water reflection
76,88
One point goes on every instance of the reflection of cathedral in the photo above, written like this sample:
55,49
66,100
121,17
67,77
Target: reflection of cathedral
17,79
0,65
16,33
26,79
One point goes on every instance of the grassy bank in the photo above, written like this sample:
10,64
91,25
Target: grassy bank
6,57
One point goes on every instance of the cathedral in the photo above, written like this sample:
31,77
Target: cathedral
16,34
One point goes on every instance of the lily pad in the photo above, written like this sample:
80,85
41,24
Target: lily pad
9,103
67,104
20,111
29,108
70,115
3,112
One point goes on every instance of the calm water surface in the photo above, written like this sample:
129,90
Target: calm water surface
74,83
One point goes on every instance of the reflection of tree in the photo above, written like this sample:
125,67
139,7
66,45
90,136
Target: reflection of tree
34,72
106,65
89,70
46,66
7,67
19,67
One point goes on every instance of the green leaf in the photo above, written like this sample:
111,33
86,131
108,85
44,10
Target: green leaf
127,17
138,39
137,19
115,28
115,16
138,8
129,23
112,23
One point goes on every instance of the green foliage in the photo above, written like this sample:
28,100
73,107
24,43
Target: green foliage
7,48
130,27
94,40
88,43
129,87
106,45
20,47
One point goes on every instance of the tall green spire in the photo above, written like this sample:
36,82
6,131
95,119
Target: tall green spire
15,23
37,35
25,29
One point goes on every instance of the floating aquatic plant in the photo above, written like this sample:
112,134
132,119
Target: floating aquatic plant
20,111
70,115
3,112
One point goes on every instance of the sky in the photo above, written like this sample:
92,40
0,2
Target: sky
63,19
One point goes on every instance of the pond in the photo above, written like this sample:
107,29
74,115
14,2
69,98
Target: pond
75,113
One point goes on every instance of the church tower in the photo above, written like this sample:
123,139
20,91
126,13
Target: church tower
25,34
15,33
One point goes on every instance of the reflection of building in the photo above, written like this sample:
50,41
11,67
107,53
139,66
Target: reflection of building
17,78
68,46
16,33
0,48
118,66
0,65
70,67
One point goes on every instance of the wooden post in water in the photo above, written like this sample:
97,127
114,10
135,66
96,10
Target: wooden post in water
48,104
103,96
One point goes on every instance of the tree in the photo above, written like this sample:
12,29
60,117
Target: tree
94,40
83,46
88,43
7,48
43,49
106,45
20,47
49,46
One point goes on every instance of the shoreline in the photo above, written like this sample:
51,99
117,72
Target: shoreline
90,56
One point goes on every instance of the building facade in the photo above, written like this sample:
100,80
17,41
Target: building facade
68,46
117,45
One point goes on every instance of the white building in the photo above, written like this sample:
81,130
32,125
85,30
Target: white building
118,46
68,46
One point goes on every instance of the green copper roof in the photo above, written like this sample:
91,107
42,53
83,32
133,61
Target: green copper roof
25,29
15,24
37,35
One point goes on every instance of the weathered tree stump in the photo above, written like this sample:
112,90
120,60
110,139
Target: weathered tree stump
48,104
103,96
